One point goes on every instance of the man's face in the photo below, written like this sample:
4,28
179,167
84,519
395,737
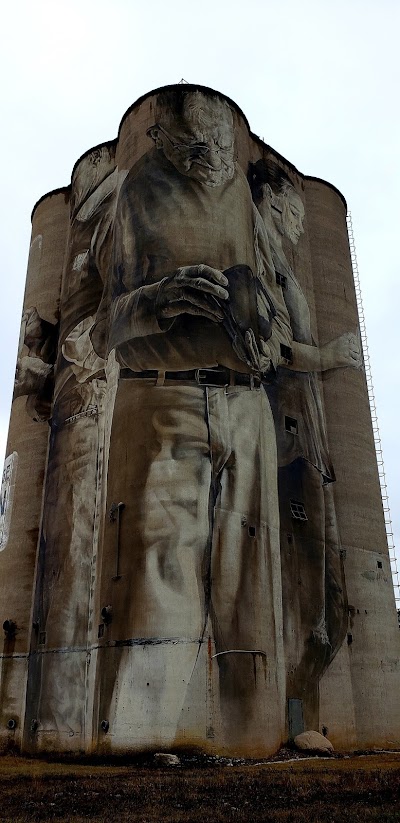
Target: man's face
201,147
292,216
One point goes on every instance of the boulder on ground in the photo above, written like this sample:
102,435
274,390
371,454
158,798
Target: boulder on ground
313,742
167,759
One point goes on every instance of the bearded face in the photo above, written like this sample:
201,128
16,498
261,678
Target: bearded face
201,144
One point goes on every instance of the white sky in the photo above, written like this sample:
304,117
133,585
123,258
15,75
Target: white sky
319,81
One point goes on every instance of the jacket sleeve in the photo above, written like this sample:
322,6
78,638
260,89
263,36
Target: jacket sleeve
132,302
281,333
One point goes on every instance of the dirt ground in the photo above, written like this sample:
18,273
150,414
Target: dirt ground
356,789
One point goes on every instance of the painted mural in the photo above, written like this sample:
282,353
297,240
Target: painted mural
190,580
314,595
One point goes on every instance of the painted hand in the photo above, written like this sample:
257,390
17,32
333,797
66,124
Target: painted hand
33,331
193,290
31,375
341,352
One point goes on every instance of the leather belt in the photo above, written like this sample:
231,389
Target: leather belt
214,377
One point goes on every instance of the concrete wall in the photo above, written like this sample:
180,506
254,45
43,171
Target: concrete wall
102,671
373,634
28,439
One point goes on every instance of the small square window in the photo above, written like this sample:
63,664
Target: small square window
379,564
298,511
286,353
281,279
291,425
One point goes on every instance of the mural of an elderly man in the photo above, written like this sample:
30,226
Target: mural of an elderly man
196,322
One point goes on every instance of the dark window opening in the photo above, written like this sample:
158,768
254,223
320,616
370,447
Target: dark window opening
100,630
291,425
349,639
42,638
286,353
379,564
106,615
252,531
281,279
298,511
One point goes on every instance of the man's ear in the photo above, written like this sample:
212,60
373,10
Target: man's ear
275,200
268,196
155,135
267,191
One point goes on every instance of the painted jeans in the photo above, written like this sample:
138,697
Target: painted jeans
194,652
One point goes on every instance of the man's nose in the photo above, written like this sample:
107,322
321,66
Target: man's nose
213,157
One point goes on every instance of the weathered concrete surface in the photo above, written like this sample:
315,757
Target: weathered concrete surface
165,591
28,439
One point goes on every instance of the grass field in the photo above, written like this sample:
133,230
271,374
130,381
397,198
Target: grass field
358,789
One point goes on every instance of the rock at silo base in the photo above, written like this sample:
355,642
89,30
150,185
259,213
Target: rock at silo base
313,742
166,759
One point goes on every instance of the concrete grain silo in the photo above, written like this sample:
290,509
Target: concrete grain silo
193,542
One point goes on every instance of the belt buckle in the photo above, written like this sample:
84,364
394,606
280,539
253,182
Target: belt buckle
203,378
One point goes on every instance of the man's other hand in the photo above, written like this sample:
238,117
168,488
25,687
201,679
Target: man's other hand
343,351
31,375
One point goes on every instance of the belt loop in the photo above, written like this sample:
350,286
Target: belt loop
160,378
231,377
251,382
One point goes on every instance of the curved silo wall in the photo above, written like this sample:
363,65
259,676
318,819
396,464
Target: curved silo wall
268,612
369,656
27,445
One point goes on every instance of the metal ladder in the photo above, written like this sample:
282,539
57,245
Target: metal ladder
374,415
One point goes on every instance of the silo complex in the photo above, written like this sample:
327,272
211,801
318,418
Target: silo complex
193,547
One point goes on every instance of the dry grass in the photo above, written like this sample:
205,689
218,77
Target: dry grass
358,789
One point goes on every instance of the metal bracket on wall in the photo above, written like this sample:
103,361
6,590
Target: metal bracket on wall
115,517
89,412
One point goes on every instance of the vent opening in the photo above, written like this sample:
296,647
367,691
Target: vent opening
291,425
298,511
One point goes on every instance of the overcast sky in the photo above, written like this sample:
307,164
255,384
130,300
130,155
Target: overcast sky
318,81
